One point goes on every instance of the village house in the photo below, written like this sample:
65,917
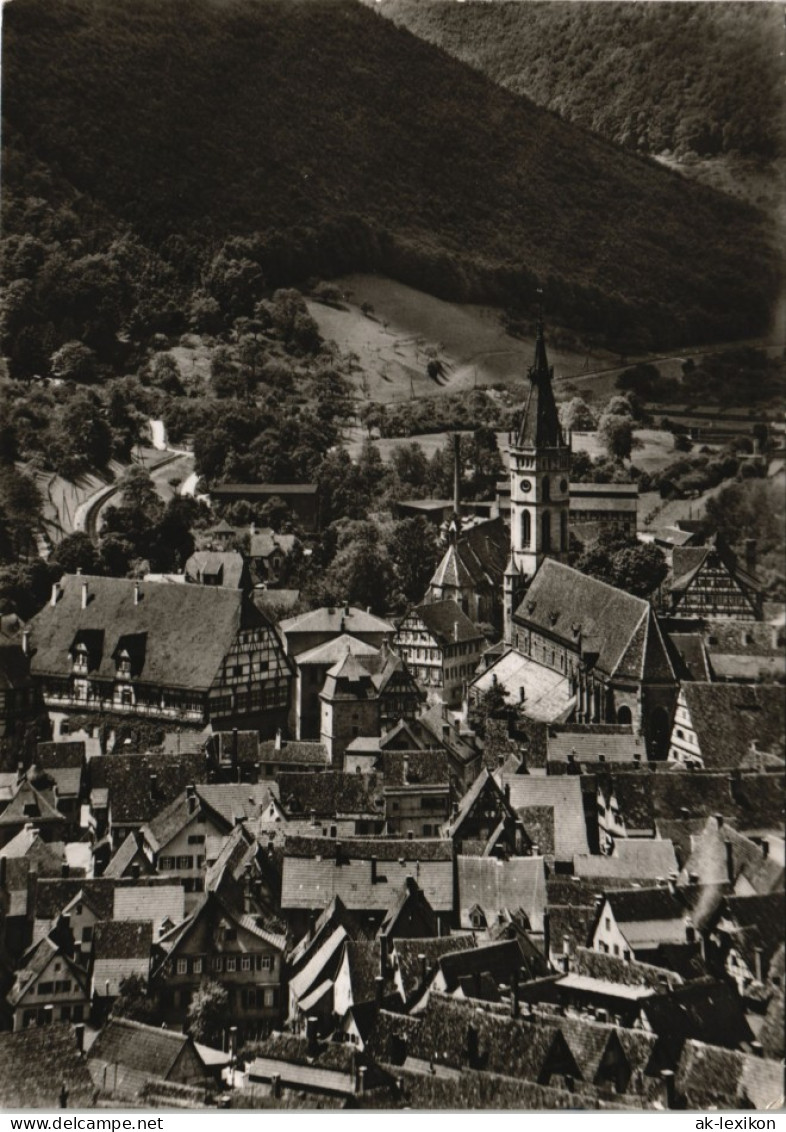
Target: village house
485,822
49,986
127,1056
268,552
491,889
561,794
234,949
417,792
367,874
708,581
217,568
441,647
186,654
715,725
309,630
625,808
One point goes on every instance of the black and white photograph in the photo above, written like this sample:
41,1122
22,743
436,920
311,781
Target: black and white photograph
392,557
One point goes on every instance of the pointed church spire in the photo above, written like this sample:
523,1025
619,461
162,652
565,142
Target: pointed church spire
540,426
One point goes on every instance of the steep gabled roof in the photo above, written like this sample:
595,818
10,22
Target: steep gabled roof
182,633
562,793
330,792
141,785
497,886
620,629
704,1009
36,1062
335,621
708,1077
146,1049
727,718
447,622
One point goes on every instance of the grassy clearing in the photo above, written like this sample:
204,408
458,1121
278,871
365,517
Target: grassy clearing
392,345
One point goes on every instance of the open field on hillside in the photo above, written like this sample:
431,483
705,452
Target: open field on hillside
395,341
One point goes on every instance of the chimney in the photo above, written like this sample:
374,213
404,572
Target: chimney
234,748
62,1099
252,530
136,870
454,811
735,782
137,594
546,934
758,965
49,1014
278,739
750,555
55,593
765,848
79,1034
667,1077
405,770
191,798
379,991
311,1035
338,852
690,931
373,870
422,968
26,640
84,595
472,1046
361,1080
383,956
313,816
757,1049
507,793
153,785
275,1085
730,862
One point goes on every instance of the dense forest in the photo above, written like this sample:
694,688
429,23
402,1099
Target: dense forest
701,78
168,166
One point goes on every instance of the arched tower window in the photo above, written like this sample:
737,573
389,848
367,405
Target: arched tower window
545,532
546,490
526,528
563,527
624,715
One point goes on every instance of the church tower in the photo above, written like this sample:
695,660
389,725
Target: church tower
539,484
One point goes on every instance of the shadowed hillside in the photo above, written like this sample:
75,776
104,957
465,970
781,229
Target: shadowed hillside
339,142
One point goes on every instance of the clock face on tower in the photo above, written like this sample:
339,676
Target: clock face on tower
525,485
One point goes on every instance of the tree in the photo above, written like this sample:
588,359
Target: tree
73,362
577,416
208,1013
616,434
491,704
77,552
133,1002
414,551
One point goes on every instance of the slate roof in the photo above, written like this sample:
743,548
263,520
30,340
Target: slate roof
181,634
538,824
639,858
708,1077
61,754
547,694
29,805
728,717
34,1064
154,903
120,949
755,802
127,778
753,922
495,885
560,793
621,630
336,620
704,1009
227,565
145,1049
715,844
505,1045
447,623
127,853
329,652
408,963
330,792
312,876
633,796
593,746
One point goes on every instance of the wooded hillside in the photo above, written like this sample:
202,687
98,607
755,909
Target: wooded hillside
142,139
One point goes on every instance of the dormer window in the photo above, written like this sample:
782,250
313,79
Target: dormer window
124,664
81,658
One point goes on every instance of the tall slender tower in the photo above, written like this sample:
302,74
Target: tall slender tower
539,483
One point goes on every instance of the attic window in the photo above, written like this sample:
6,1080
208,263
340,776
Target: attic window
553,616
531,606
